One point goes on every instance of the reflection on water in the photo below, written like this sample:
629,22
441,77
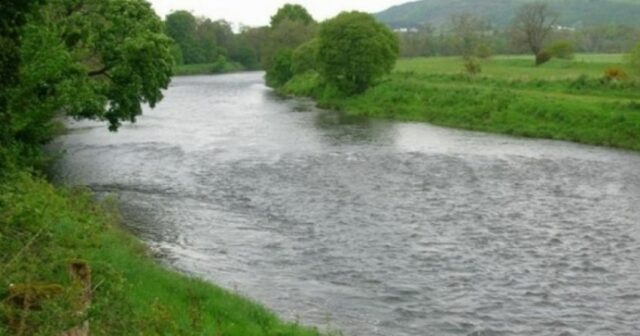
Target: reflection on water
381,228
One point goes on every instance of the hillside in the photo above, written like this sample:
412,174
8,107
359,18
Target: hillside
573,13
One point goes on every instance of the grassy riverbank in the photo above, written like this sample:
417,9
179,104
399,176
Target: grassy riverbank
207,68
564,100
44,229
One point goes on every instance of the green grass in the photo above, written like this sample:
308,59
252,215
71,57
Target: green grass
43,229
518,67
564,100
207,68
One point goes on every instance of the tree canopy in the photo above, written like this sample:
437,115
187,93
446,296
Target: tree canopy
96,59
354,50
291,12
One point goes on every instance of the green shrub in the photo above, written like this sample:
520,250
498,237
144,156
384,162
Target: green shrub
305,57
561,49
543,57
472,66
483,51
281,69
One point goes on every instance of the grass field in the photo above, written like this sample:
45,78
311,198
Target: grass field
44,230
518,67
564,99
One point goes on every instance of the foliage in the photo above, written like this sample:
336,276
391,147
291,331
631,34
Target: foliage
615,74
543,57
483,51
305,57
467,32
472,66
76,64
182,26
281,68
291,27
561,49
533,25
290,12
354,51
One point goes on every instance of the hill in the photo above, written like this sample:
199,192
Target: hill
573,13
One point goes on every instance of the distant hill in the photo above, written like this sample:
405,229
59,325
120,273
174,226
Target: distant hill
573,13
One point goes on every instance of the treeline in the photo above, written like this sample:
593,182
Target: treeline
429,40
200,40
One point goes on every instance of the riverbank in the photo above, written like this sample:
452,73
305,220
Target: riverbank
562,100
207,68
45,229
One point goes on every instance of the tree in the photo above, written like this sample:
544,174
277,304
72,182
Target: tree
96,59
305,57
532,27
182,27
291,12
467,31
355,50
13,14
418,42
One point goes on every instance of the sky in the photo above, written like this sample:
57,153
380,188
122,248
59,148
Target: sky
258,12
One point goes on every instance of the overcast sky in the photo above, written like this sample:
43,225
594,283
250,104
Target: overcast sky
258,12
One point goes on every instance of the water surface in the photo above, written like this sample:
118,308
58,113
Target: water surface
374,227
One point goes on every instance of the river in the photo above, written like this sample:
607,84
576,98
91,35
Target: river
373,227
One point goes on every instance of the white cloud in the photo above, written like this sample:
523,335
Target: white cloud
255,13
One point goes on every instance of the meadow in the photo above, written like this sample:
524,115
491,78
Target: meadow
592,99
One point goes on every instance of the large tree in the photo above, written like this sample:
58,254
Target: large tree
97,59
182,27
291,12
13,15
532,26
355,50
468,33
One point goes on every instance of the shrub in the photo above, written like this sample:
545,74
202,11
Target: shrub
472,66
543,57
281,69
305,57
561,49
615,74
355,50
483,51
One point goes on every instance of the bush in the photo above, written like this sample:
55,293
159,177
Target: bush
484,51
615,74
472,66
543,57
305,57
355,50
281,69
561,49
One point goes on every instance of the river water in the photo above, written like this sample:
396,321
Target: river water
374,227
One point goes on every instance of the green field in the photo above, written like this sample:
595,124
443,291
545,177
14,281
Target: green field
43,230
518,67
564,99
